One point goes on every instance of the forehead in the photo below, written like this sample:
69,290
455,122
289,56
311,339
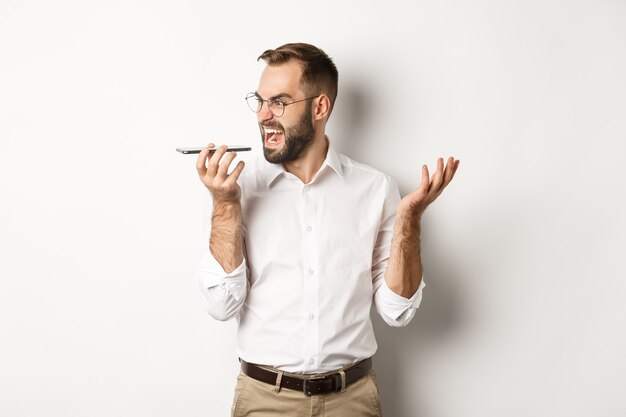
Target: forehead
279,79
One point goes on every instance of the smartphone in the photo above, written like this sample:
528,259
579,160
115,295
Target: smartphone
198,149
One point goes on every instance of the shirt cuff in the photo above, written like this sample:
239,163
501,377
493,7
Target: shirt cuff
395,304
211,274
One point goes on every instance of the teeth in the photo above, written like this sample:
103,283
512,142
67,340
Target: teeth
270,135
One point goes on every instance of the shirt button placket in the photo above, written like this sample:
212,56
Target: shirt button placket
311,279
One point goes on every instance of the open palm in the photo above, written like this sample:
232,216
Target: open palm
416,202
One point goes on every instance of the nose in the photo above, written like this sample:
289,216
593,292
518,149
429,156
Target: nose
264,114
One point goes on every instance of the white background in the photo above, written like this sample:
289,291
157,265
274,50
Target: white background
101,221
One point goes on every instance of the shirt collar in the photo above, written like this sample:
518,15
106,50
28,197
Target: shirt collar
333,161
272,171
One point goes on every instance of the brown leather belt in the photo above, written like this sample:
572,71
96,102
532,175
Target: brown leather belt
309,386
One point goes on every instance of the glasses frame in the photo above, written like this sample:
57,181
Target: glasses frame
271,101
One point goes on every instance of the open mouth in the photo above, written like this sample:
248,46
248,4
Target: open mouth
273,137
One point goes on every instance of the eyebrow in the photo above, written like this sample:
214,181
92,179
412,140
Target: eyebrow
276,97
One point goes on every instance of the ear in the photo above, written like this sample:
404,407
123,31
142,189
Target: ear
321,110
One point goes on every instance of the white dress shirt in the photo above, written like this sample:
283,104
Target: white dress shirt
315,257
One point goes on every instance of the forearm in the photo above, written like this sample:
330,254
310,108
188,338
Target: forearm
226,240
404,268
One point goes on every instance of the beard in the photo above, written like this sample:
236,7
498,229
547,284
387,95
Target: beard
296,139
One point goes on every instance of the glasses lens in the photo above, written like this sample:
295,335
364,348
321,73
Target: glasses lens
254,103
277,108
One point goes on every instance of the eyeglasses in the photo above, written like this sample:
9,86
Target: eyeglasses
276,106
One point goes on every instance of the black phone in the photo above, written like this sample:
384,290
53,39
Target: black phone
198,149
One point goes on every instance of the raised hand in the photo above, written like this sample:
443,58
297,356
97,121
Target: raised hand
416,202
213,172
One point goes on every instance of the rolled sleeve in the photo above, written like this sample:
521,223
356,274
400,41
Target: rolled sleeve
223,293
396,310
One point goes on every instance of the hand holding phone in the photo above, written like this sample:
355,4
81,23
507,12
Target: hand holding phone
213,167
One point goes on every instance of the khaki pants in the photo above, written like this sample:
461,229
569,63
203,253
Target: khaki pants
257,399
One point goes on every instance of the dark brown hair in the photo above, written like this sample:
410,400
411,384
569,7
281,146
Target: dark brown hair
319,73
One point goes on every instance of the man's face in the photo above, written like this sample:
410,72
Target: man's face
285,137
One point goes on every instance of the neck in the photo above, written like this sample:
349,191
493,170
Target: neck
311,159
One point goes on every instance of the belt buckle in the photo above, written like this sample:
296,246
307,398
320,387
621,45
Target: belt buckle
305,385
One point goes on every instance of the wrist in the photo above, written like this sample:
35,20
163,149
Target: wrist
227,205
227,213
408,226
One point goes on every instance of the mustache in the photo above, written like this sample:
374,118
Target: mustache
274,125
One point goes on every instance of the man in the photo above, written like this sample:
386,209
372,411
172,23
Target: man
301,243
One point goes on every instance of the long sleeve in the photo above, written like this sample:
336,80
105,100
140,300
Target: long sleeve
394,309
223,293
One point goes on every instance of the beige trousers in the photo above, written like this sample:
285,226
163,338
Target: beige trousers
257,399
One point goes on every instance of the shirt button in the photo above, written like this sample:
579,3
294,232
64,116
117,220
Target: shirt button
306,189
311,316
309,228
310,272
311,361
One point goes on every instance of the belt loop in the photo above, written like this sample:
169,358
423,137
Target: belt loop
343,380
279,378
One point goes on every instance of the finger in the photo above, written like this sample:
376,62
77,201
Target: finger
456,166
201,161
425,178
449,171
232,178
448,175
222,171
437,180
452,166
214,160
